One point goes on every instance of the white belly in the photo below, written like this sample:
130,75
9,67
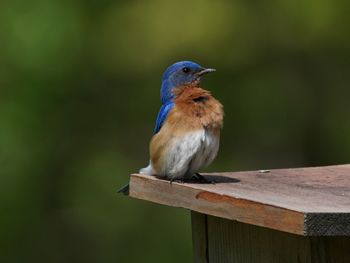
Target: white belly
206,153
188,154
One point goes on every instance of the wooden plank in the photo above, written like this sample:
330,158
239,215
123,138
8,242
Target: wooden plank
304,201
180,195
232,241
199,237
337,249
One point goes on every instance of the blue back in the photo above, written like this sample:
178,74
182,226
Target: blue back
162,114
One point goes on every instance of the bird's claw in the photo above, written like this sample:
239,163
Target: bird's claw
177,180
196,177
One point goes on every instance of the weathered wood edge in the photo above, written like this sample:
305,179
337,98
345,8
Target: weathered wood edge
242,210
327,224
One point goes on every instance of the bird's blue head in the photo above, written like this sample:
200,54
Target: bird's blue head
179,74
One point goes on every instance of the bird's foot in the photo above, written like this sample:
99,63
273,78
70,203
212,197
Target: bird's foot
201,179
177,180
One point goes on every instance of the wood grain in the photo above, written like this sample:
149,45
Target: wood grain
199,237
232,241
304,201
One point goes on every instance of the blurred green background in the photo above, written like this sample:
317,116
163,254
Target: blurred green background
79,94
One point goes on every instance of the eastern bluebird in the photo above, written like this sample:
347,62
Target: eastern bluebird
187,131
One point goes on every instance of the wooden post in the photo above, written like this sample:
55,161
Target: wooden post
285,215
220,240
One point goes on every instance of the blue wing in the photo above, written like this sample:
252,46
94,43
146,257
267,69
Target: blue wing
162,114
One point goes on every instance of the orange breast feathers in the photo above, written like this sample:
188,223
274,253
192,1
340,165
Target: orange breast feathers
196,108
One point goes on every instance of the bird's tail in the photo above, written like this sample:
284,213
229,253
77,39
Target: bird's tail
124,190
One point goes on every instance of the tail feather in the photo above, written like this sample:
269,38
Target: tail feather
124,190
147,170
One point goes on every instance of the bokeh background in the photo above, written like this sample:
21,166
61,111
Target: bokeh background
79,94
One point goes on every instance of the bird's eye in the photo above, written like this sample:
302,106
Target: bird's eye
186,69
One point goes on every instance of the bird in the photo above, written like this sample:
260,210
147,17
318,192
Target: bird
186,134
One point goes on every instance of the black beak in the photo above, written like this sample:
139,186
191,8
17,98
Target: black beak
205,71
